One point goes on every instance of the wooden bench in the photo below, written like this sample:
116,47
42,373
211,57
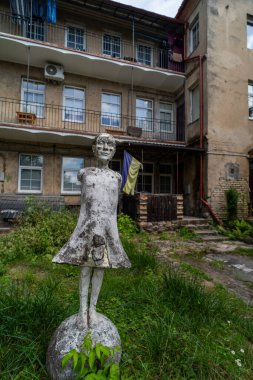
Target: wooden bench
26,117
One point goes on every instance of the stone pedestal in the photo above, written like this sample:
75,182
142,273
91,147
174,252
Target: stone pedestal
70,335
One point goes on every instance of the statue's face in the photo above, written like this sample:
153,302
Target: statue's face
104,148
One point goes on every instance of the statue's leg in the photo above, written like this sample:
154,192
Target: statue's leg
96,284
85,275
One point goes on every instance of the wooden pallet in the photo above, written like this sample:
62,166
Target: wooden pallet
26,117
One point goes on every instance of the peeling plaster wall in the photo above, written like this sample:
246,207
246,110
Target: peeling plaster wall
229,68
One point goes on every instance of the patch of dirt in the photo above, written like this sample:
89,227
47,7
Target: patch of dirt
216,259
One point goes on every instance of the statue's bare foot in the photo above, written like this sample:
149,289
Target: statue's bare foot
82,320
93,315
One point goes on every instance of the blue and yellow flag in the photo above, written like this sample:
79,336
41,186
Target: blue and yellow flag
130,172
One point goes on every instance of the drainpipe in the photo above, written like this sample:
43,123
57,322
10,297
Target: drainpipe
201,193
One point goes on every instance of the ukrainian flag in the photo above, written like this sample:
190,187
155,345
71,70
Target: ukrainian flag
130,172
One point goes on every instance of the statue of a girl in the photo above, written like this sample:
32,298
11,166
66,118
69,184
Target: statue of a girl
94,244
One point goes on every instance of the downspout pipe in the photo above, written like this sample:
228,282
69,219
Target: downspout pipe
200,59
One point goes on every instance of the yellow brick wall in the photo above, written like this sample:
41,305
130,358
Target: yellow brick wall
218,199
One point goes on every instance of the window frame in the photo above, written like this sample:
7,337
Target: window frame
36,24
146,174
30,167
112,36
250,100
145,45
70,192
166,112
168,175
65,107
83,29
249,25
145,120
25,104
110,115
192,105
194,35
113,161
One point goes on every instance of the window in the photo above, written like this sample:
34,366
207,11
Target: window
194,35
250,33
145,178
144,54
166,116
144,114
73,102
115,165
111,106
70,169
75,38
194,103
33,97
111,45
250,100
35,30
30,173
165,179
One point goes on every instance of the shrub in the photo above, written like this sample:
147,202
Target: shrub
127,226
232,196
240,229
41,231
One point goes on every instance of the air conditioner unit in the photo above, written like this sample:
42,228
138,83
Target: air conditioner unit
54,72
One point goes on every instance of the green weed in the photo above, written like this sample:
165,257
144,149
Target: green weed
186,234
126,226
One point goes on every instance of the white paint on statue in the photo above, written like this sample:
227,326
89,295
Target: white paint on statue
94,246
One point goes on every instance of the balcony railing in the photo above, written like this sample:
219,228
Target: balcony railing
103,45
60,118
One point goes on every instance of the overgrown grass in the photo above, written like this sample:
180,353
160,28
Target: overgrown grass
170,326
243,251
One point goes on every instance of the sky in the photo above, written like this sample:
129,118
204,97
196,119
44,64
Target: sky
164,7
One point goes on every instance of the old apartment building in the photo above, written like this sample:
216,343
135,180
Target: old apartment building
219,34
173,92
85,68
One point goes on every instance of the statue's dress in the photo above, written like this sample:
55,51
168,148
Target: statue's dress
95,241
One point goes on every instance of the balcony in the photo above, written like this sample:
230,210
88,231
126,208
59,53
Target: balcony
20,118
96,55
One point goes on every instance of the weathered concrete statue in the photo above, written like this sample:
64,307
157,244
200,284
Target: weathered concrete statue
94,246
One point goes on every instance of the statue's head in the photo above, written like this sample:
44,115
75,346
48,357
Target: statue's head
104,147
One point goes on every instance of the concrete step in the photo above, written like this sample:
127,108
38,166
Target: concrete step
213,238
4,230
206,232
192,221
198,226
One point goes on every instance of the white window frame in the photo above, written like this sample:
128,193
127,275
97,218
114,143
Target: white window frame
72,120
145,45
145,124
166,175
109,115
32,107
194,35
194,118
250,100
147,174
71,192
250,32
110,53
83,29
30,167
164,110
